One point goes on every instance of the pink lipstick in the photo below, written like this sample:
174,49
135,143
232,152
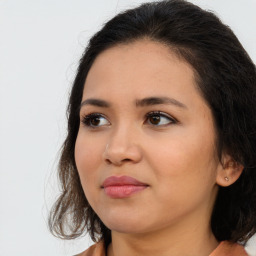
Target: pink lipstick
122,186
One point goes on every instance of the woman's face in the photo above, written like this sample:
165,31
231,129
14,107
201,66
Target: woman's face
142,117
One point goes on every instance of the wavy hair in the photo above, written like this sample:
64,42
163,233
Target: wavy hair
226,78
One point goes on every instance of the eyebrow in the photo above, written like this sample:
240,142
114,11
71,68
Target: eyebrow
150,101
159,101
96,102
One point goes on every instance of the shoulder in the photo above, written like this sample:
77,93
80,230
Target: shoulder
226,248
95,250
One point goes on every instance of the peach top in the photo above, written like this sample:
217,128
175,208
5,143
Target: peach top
224,249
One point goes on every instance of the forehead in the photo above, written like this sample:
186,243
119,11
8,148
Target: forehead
143,64
127,73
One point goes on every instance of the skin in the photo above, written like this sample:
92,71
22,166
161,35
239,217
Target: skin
177,159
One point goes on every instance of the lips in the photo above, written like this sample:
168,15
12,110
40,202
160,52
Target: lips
122,180
122,186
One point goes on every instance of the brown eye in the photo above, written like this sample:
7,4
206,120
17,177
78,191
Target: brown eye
155,119
95,120
159,119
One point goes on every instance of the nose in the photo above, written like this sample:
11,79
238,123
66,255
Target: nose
122,147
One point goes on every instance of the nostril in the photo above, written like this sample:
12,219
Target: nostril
126,160
118,154
108,161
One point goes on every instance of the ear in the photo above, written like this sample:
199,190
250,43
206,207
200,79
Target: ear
228,172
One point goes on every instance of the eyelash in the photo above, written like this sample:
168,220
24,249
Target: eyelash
161,114
87,119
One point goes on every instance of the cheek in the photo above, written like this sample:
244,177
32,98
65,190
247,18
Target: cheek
88,152
185,175
181,160
88,157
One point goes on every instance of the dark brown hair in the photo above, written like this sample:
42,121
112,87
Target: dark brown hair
226,78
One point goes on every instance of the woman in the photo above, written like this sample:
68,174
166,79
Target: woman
160,153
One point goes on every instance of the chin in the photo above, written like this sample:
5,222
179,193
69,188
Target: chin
124,223
125,228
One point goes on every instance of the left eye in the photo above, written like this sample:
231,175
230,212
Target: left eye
159,118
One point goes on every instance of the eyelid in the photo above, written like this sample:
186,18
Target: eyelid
163,114
86,118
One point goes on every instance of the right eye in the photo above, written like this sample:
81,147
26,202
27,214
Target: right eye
95,120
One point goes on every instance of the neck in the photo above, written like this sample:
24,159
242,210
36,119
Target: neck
176,241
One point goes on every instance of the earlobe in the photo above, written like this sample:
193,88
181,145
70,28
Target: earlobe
229,172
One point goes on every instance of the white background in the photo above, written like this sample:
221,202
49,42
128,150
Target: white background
40,44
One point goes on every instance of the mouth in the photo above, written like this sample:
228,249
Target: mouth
122,186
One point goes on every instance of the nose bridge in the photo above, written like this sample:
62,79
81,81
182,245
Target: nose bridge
123,144
123,132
